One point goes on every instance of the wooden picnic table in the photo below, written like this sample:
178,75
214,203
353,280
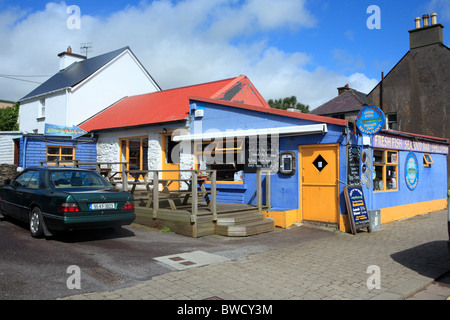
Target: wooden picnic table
172,194
166,193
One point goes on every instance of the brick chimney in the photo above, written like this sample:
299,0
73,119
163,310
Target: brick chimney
428,33
341,90
66,58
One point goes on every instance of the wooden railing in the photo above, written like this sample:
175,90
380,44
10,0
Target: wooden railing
151,182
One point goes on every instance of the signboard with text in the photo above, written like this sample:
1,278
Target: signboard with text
356,208
402,143
411,171
370,120
55,130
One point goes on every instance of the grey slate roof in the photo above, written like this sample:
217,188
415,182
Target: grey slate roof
349,101
74,74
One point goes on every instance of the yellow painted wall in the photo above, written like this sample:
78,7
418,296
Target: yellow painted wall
411,210
285,219
282,219
400,212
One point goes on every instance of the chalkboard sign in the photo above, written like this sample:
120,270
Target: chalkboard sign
261,153
356,208
353,160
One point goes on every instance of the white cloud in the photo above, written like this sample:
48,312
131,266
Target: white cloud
441,7
179,43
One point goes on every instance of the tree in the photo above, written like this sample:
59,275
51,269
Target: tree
8,118
287,103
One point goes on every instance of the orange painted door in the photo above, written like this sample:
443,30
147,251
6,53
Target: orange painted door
318,182
168,163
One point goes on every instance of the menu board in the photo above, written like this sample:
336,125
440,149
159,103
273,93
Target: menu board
356,208
260,153
353,160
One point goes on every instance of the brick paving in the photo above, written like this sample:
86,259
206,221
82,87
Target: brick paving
410,254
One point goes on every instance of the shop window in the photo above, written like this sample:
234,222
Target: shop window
60,153
427,160
134,151
227,157
385,168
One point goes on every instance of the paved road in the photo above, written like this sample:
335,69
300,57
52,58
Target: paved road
407,255
304,262
37,268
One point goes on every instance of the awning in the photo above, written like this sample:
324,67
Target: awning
281,131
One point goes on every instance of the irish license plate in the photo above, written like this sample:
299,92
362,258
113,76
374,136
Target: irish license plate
102,206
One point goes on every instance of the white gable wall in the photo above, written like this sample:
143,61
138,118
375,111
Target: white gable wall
55,112
120,78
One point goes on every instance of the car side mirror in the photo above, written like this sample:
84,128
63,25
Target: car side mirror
7,182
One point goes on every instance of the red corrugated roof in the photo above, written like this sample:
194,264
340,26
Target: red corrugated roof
171,105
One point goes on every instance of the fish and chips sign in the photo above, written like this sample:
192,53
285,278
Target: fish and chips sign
408,144
370,120
55,130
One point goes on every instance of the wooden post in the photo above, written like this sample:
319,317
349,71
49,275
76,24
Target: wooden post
155,194
194,196
258,190
213,194
124,179
268,204
97,167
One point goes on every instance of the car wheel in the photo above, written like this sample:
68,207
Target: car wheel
36,227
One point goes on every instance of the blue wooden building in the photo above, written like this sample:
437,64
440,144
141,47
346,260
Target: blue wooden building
36,148
311,159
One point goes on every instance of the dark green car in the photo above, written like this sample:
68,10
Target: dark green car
60,199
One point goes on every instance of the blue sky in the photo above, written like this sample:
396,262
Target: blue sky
305,48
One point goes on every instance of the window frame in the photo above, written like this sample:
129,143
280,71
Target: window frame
384,164
143,163
32,173
427,163
391,123
221,148
60,155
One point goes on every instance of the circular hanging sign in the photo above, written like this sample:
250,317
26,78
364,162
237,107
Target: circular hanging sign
370,120
411,171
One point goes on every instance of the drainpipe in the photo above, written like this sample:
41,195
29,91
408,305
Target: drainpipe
381,91
67,106
25,142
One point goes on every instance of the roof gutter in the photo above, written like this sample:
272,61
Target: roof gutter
416,136
36,97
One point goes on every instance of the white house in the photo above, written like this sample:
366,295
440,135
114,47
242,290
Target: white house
82,88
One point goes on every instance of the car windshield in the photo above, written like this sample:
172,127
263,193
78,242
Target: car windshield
63,179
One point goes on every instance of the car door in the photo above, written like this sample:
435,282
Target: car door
18,194
29,194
